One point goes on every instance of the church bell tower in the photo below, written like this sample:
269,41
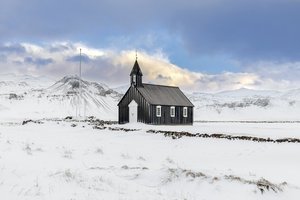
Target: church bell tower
136,75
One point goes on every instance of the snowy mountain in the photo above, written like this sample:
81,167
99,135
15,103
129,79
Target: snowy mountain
69,96
21,83
246,104
86,98
244,92
74,85
122,89
37,97
11,86
292,94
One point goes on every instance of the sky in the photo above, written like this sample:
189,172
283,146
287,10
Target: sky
198,45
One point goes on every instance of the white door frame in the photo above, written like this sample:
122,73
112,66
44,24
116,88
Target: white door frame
133,112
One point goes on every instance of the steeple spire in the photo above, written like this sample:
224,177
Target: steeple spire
136,69
136,57
136,74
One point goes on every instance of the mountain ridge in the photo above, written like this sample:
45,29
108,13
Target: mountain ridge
72,96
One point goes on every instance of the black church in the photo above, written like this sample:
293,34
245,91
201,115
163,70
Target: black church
154,104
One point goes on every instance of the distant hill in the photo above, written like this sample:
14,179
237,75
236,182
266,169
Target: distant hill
23,96
69,96
246,104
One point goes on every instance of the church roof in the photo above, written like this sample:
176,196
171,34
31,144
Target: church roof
136,69
164,95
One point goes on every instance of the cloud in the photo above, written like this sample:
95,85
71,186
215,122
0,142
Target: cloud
277,75
228,81
2,58
57,47
11,48
113,66
162,77
38,61
246,30
83,58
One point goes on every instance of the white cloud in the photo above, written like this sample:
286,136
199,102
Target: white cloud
113,67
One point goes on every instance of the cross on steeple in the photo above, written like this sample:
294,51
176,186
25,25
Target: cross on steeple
136,57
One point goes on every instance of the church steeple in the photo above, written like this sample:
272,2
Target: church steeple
136,75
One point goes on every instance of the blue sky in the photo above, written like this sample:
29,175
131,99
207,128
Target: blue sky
209,37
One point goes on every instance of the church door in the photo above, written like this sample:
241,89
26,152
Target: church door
133,112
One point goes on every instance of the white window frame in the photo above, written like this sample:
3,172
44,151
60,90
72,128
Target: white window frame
158,111
172,111
185,112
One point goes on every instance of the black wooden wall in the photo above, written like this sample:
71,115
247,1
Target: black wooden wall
147,112
166,116
143,106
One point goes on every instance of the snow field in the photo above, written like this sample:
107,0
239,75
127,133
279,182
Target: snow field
54,160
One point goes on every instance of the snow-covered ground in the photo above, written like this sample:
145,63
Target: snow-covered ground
71,160
54,158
